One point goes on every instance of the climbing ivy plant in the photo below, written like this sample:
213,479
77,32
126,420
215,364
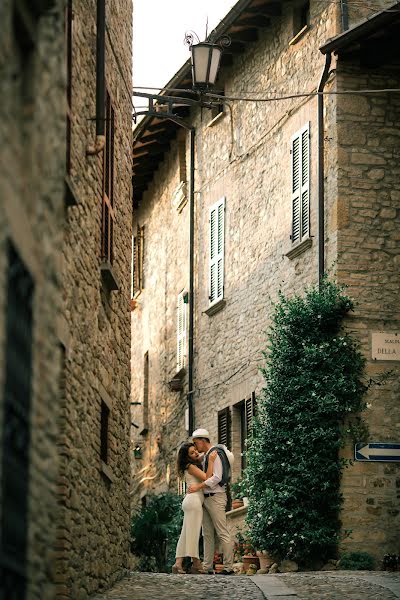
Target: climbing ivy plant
313,380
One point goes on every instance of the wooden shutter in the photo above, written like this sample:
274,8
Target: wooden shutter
224,427
181,332
250,411
217,235
300,151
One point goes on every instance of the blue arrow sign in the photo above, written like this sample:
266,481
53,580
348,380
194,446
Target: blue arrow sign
377,451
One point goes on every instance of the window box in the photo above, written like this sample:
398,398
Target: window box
299,249
176,383
215,308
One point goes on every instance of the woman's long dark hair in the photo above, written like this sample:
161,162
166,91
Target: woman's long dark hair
183,460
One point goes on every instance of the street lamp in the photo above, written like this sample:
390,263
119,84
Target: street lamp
205,59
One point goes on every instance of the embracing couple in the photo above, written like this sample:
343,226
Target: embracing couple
206,470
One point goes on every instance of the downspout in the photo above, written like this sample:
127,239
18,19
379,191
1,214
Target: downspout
321,174
100,79
190,399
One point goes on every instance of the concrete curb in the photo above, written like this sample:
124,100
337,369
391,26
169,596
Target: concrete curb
273,587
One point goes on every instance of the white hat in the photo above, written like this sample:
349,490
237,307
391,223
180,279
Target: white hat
201,433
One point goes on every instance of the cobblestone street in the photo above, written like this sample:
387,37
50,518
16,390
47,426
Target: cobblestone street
303,586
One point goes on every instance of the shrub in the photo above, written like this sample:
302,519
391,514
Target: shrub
313,382
155,530
356,561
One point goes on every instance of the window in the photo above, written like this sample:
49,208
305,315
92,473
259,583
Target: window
107,238
224,427
216,265
301,19
300,167
104,418
137,261
68,60
181,325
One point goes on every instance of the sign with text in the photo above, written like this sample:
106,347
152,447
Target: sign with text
377,451
385,345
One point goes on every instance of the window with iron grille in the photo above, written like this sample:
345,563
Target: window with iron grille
108,217
16,433
300,176
104,424
137,261
224,427
68,61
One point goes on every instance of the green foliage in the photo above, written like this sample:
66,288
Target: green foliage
239,488
356,561
391,562
155,530
313,382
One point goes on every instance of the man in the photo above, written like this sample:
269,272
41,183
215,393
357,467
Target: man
214,517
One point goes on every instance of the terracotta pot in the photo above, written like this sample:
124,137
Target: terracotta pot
250,560
237,504
265,562
218,568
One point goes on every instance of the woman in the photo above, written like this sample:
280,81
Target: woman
188,468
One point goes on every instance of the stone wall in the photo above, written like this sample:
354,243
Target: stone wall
32,162
368,212
93,528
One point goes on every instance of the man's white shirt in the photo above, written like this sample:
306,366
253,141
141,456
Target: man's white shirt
212,483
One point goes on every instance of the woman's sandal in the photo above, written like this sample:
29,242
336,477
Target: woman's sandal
178,570
197,571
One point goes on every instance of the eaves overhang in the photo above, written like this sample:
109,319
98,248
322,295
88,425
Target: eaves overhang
153,135
379,35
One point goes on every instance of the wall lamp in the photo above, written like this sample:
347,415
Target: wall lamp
205,59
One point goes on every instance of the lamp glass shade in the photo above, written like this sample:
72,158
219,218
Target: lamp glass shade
205,64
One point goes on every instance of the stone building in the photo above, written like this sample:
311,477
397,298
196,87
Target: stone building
278,193
32,159
65,263
93,526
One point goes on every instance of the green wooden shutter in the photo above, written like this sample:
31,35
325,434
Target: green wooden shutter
224,427
217,242
300,151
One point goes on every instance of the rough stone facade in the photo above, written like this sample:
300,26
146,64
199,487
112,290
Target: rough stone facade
244,156
32,165
93,530
368,214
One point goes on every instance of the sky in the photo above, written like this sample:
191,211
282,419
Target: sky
159,28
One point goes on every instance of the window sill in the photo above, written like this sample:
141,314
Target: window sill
176,384
237,512
106,472
109,277
217,118
70,195
212,310
299,249
299,35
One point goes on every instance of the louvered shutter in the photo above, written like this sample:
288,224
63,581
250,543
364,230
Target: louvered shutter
217,235
133,271
224,427
300,151
250,411
181,333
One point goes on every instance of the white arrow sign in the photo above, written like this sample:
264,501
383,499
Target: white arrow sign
377,451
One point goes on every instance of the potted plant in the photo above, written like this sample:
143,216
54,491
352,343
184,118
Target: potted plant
265,559
249,556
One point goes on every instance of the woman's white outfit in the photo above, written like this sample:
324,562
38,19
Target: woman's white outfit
192,506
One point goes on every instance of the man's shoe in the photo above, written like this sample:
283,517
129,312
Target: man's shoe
226,572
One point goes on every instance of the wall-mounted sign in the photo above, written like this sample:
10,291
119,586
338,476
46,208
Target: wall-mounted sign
377,451
385,345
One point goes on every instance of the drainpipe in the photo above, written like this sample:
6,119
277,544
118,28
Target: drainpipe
321,181
190,399
100,79
344,13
